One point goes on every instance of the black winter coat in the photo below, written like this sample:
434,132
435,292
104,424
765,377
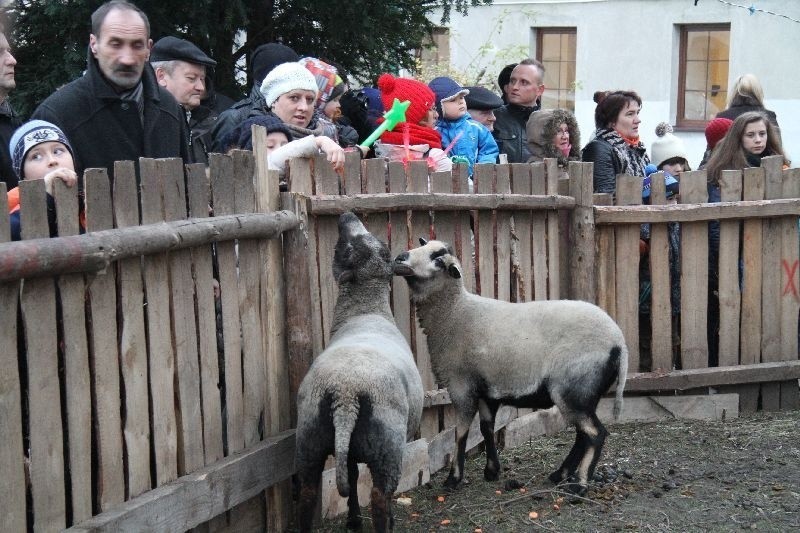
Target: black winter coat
103,128
510,133
253,105
9,122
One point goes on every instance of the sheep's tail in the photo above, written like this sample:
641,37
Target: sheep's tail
345,415
621,354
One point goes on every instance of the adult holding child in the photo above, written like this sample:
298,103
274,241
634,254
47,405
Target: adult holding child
117,111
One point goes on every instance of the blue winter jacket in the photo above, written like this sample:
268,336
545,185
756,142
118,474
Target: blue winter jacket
476,143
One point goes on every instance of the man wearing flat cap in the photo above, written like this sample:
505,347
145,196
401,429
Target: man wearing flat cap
180,68
481,103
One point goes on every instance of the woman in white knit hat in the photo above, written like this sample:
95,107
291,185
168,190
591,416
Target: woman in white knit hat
290,92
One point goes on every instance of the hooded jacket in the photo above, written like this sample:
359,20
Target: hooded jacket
476,142
104,128
542,127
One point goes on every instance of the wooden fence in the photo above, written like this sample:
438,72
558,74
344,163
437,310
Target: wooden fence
153,388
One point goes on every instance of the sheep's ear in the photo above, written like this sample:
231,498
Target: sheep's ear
422,242
346,275
454,272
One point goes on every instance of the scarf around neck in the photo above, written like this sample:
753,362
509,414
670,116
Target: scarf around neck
417,135
632,158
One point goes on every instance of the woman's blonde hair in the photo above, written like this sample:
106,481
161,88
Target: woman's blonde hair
746,91
729,154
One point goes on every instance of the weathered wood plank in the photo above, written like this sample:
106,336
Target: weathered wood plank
77,383
110,488
327,182
539,236
698,212
503,236
523,283
629,191
401,300
730,295
770,283
790,281
332,204
713,377
159,341
554,253
12,458
203,494
660,303
694,277
132,340
465,249
582,228
605,270
198,192
483,178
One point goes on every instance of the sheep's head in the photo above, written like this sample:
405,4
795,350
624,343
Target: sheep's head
428,269
359,255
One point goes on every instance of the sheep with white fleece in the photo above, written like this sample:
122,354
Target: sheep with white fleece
534,354
362,397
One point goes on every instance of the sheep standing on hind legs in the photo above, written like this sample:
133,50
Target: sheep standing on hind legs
362,397
490,353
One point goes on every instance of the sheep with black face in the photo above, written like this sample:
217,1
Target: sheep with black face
362,397
490,353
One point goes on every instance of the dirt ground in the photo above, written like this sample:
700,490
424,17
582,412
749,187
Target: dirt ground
739,474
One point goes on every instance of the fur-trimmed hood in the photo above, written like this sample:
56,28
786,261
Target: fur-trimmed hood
542,126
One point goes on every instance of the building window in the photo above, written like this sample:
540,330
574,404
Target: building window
555,48
435,52
703,75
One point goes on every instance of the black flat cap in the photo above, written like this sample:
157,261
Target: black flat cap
482,98
171,48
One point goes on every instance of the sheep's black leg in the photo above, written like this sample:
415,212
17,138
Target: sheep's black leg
466,408
309,478
385,472
353,509
595,437
488,413
570,464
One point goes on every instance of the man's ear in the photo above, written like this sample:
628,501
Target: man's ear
149,48
160,77
93,44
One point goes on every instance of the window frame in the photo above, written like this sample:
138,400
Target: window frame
681,122
558,30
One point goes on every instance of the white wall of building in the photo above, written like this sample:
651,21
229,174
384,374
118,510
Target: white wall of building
633,44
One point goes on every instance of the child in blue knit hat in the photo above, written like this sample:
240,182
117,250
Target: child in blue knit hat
39,150
473,141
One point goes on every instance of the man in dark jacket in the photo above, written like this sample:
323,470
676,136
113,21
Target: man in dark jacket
9,121
524,90
117,111
264,59
180,68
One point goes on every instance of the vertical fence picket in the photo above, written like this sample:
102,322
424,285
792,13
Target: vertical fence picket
465,249
198,189
605,271
12,459
554,251
104,355
770,282
539,235
790,281
730,295
401,302
523,279
503,228
327,182
132,338
159,339
629,192
660,301
484,234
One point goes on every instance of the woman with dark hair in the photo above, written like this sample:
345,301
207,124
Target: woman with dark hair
616,148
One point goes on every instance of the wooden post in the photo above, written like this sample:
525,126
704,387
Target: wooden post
605,271
660,278
539,236
790,281
484,234
582,253
629,192
554,252
730,295
521,184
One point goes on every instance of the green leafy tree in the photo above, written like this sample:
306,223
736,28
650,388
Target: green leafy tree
363,37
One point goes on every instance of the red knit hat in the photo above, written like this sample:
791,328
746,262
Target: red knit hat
416,92
716,130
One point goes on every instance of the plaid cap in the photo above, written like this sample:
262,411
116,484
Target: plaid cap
29,135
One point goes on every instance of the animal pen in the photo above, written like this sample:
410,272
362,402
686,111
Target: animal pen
151,364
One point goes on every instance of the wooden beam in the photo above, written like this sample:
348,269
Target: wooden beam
713,377
371,203
696,212
198,497
93,251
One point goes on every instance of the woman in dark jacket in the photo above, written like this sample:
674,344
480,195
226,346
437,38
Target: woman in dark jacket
616,148
554,133
747,95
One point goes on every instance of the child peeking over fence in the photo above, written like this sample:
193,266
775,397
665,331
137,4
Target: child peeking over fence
39,150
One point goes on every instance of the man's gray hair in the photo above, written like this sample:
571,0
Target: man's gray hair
101,12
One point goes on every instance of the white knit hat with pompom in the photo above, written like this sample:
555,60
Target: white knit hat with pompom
667,146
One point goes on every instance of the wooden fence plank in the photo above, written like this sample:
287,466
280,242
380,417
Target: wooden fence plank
159,339
198,192
582,249
104,352
254,367
12,458
327,182
401,300
539,235
77,383
132,339
790,281
770,283
523,282
484,234
660,299
564,237
605,265
352,171
38,305
753,189
465,247
300,181
503,235
730,295
553,233
694,277
629,191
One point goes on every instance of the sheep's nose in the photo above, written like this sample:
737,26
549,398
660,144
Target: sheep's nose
402,257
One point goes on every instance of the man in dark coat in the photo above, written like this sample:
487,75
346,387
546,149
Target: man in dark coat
180,68
117,111
524,90
9,121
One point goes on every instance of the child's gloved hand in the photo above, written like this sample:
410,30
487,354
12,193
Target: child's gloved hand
459,159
